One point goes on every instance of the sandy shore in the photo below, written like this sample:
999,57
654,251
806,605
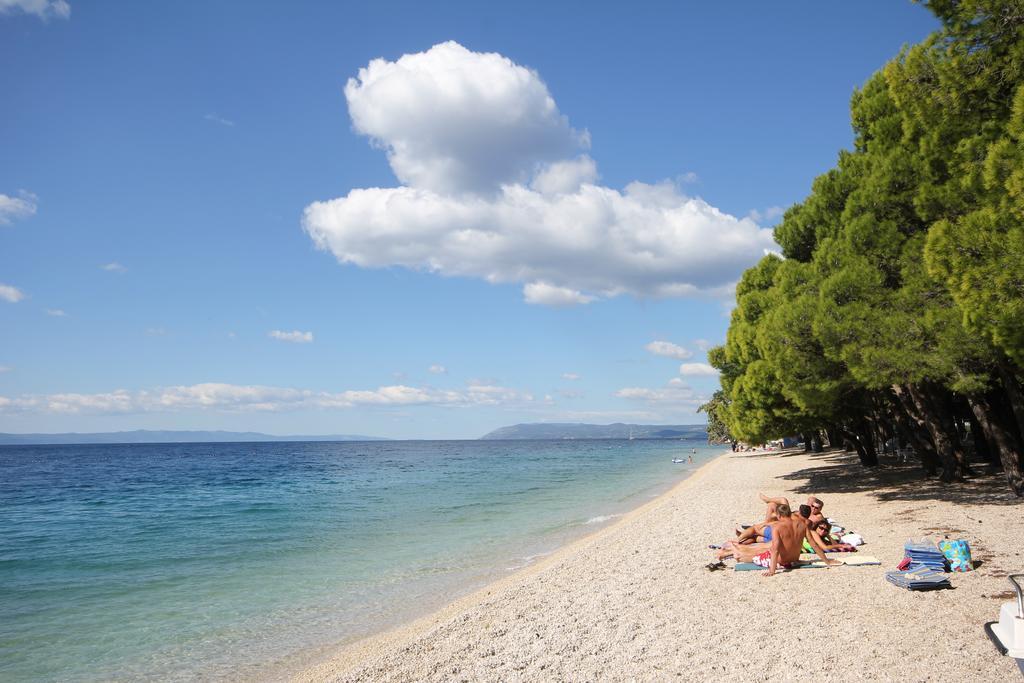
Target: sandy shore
634,602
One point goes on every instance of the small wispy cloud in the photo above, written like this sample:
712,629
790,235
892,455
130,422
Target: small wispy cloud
688,177
571,376
295,336
56,312
5,368
436,369
14,208
605,416
766,215
702,344
674,393
543,294
113,267
11,293
156,331
44,9
217,119
697,370
254,398
669,350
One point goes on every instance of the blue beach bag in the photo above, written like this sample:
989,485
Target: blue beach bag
959,555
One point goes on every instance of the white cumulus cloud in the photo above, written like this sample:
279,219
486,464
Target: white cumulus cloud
437,369
44,9
11,293
668,349
295,336
697,370
565,177
13,208
494,187
452,120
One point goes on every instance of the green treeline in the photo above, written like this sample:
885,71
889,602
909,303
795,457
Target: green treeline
897,312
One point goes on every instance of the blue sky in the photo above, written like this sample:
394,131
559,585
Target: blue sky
398,219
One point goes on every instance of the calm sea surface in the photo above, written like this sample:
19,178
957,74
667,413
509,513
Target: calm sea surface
200,561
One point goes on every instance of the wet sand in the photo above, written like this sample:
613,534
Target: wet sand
634,602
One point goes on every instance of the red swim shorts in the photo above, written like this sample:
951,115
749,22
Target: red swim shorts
765,560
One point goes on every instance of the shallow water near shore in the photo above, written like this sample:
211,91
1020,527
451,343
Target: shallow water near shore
185,561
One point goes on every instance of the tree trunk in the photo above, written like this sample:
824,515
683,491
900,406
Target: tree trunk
816,442
985,450
947,405
806,437
940,426
1008,378
865,450
1004,440
917,431
878,431
835,437
867,435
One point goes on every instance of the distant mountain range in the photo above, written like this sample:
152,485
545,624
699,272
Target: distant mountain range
537,430
149,436
575,430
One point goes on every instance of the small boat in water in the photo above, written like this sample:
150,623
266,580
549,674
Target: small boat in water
677,460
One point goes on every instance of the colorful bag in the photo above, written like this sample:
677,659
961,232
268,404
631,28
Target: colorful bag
959,555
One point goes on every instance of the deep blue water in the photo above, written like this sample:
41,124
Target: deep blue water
186,561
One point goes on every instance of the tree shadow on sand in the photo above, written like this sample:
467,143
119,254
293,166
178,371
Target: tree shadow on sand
839,472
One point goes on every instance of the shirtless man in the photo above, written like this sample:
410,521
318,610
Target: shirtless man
762,532
760,535
788,535
816,505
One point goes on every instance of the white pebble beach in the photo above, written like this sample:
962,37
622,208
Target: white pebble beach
634,600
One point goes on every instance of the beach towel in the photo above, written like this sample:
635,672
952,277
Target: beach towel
857,560
925,553
812,562
750,566
918,579
838,549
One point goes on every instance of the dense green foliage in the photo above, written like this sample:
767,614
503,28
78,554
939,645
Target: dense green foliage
895,316
716,409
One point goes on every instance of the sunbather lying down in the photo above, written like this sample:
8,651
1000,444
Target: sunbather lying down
823,531
788,534
762,533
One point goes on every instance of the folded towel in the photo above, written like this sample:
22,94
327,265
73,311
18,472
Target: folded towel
852,539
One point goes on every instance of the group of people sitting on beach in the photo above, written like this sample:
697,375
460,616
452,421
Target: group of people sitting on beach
784,534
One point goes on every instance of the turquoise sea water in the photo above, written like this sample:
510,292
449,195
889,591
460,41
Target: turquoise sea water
205,561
